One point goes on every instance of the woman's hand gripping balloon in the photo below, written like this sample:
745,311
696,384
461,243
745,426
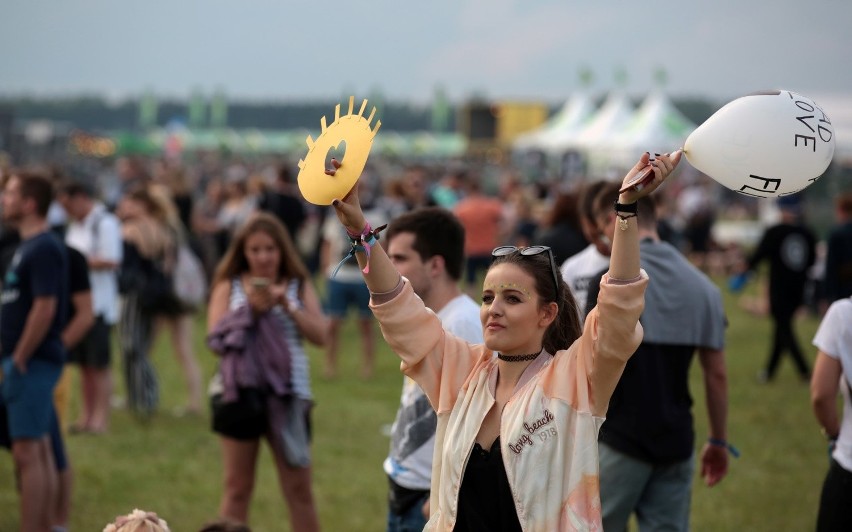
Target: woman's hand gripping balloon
655,171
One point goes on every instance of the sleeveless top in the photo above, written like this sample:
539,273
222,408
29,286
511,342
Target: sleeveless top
300,369
485,496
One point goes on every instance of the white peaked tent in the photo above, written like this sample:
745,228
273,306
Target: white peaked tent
568,121
657,127
575,150
611,118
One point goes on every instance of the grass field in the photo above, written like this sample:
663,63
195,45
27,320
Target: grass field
172,465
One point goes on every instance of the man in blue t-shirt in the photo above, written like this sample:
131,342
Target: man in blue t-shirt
32,314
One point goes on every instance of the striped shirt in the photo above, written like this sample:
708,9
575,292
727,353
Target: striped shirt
299,369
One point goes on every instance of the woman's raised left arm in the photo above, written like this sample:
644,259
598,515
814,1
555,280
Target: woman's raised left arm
624,261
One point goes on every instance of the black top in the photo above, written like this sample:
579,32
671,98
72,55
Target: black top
485,499
78,266
39,268
287,208
653,423
790,250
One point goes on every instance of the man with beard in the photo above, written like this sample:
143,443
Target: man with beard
34,304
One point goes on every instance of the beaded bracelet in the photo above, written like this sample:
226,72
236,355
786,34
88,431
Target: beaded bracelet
363,241
722,443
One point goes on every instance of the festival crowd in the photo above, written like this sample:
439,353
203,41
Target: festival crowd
546,363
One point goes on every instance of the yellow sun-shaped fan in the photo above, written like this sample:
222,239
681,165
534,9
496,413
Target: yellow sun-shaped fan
352,129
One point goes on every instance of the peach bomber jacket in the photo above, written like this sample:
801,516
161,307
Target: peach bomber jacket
549,427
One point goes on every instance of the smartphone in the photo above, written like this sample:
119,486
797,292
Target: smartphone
639,180
259,282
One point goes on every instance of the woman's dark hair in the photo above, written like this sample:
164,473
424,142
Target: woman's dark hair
234,261
566,327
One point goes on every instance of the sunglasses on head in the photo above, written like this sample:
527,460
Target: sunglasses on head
502,251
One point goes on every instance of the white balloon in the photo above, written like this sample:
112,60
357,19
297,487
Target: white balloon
766,144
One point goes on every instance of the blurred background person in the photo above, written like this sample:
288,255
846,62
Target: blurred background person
95,232
790,249
180,322
284,201
148,248
346,289
560,228
205,225
832,375
34,311
697,208
416,188
482,219
238,205
449,190
138,521
263,388
524,221
582,268
838,261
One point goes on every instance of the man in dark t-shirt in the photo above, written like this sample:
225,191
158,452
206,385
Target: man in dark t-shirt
33,307
790,249
80,319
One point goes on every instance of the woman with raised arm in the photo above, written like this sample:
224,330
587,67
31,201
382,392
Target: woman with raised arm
516,443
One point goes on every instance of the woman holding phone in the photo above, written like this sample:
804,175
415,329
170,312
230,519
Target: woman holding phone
263,291
516,442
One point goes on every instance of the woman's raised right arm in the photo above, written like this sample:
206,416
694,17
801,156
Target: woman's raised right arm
379,272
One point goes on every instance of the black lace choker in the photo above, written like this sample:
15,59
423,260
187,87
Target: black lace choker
518,358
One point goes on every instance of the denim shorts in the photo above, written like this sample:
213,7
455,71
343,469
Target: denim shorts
342,296
29,397
57,444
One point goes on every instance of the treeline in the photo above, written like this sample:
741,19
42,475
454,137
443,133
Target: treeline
95,113
92,113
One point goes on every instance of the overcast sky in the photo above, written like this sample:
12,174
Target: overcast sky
523,49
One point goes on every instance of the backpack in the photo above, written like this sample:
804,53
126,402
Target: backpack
154,290
188,279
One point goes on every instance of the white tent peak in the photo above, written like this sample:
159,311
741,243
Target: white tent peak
612,116
569,120
657,116
657,126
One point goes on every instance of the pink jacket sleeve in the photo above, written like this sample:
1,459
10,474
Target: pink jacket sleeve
586,374
438,361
